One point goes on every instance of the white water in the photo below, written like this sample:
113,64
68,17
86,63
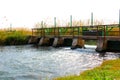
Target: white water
31,63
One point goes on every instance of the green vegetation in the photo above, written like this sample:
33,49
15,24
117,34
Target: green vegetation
14,37
109,70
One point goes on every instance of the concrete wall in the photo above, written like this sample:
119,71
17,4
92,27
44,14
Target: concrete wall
46,41
58,42
33,40
77,43
101,45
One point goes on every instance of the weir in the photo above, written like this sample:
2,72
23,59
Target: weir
107,36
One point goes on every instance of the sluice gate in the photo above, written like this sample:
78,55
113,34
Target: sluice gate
107,36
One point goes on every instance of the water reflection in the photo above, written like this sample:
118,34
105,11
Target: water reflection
31,63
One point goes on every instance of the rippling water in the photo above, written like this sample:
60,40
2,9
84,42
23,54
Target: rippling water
45,63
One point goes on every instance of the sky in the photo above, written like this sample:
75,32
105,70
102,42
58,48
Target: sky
26,13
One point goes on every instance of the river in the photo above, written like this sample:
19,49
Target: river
44,63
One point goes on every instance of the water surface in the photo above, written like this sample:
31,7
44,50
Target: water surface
44,63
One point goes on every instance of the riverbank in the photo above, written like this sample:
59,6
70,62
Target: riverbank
14,37
108,70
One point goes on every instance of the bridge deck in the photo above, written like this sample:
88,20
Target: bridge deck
110,31
86,37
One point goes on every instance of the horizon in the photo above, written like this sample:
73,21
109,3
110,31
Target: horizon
25,13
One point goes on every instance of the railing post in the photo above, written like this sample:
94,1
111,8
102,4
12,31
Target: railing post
82,31
119,22
106,30
54,26
97,32
104,39
119,17
92,19
32,32
71,25
103,31
70,20
78,31
54,21
42,28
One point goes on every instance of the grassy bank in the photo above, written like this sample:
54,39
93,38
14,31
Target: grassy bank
14,37
109,70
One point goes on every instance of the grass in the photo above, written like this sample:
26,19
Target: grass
14,37
109,70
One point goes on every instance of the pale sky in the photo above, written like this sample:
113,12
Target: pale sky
26,13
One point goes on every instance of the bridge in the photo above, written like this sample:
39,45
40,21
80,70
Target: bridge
107,36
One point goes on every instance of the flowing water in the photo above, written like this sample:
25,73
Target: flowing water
44,63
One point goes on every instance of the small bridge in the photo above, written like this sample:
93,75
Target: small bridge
107,36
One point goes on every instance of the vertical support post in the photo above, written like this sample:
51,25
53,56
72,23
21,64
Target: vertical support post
119,17
54,25
54,21
32,32
97,32
106,30
81,30
78,31
70,20
71,25
92,19
42,28
42,24
103,31
104,40
119,22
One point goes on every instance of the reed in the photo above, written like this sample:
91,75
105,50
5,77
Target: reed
14,37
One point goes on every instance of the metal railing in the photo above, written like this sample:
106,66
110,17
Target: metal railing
96,30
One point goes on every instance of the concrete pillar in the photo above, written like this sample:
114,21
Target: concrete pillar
58,42
101,45
77,43
33,40
44,42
